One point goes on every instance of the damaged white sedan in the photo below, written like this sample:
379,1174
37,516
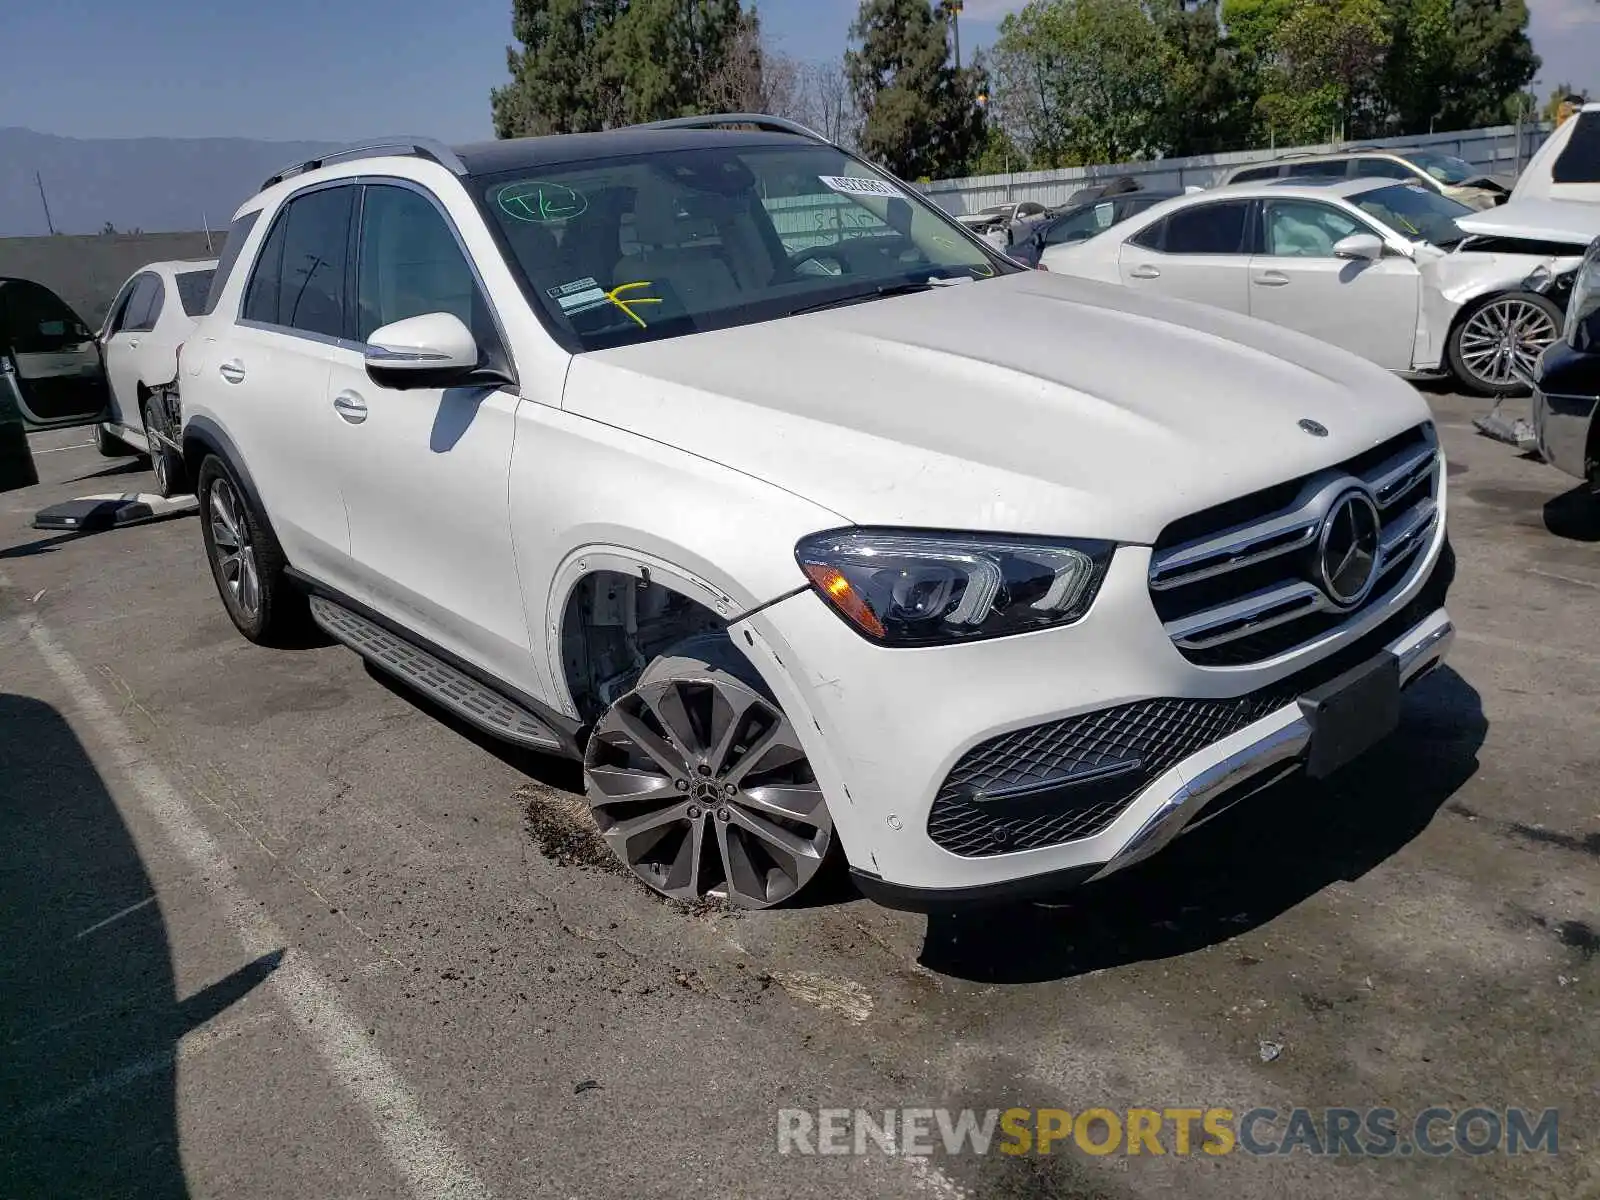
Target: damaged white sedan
1381,269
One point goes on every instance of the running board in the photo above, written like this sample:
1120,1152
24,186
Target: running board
441,683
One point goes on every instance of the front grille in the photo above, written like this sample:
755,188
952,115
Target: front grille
1237,583
1072,778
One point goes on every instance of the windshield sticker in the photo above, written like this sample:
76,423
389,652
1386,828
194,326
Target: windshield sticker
851,185
579,296
541,203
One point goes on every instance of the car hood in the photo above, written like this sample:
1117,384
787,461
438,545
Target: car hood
1030,403
1543,220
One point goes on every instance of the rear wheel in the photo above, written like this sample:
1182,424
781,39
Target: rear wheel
1495,347
246,560
700,786
165,463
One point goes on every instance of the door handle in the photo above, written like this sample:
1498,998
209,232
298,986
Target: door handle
1146,271
233,371
351,407
133,343
1272,279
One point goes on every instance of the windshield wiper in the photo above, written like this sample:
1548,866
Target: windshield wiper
882,291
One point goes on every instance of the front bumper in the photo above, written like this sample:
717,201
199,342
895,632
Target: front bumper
886,729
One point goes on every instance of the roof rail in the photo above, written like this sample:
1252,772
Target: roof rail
759,120
414,147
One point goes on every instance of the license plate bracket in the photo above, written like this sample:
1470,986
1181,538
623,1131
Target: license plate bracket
1352,713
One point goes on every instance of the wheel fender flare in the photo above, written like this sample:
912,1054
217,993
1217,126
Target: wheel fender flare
203,436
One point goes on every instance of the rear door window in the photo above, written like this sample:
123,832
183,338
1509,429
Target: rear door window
1383,168
299,281
144,306
1318,170
1208,229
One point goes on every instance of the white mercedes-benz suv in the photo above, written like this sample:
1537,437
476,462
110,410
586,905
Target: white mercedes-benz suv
713,456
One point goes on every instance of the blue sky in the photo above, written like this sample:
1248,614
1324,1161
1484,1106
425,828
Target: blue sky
345,69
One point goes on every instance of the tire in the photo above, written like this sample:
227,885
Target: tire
165,462
247,563
111,446
1497,332
699,784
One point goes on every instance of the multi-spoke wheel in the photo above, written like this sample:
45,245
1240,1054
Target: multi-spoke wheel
700,786
165,463
1496,346
236,557
245,559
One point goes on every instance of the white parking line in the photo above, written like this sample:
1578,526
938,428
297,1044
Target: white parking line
430,1164
59,449
117,916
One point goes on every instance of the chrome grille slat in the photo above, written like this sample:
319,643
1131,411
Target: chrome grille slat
1254,577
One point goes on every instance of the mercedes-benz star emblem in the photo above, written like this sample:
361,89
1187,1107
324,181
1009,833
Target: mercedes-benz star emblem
1347,552
1314,428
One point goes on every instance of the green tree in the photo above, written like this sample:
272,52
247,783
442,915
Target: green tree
1208,104
1325,68
1420,64
920,114
558,78
1084,81
664,55
1494,61
593,64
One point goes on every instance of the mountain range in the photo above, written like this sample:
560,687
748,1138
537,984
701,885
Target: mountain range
152,184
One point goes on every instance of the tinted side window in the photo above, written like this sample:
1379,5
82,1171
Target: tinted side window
193,288
119,306
261,294
1383,168
312,236
1150,237
1579,161
1324,170
1208,229
238,232
409,263
1081,225
1254,173
34,320
144,306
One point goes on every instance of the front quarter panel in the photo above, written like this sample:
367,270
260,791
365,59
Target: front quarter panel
586,496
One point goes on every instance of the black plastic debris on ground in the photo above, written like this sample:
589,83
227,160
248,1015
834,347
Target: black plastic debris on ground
95,514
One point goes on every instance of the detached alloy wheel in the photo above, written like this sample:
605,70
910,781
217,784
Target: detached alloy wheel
701,788
1496,346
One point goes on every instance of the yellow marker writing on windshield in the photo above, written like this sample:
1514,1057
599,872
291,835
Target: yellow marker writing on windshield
627,305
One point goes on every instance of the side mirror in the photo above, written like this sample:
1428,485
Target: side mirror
434,350
1362,247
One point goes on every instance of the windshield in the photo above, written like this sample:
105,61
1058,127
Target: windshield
1446,168
654,245
1415,213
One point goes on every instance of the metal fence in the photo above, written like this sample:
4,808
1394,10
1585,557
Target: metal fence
1501,150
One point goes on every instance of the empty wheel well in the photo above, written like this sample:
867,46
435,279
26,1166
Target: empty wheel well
614,625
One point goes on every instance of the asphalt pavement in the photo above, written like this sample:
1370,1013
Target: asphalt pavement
271,926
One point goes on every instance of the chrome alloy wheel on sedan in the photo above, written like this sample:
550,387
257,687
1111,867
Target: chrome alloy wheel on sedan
1501,342
236,556
699,785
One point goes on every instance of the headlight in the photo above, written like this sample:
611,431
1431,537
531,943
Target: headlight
915,589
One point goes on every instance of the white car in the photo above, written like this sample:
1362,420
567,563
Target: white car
147,322
988,579
1381,269
1567,166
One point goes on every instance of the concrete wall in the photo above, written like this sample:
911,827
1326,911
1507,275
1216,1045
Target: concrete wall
86,271
1494,151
